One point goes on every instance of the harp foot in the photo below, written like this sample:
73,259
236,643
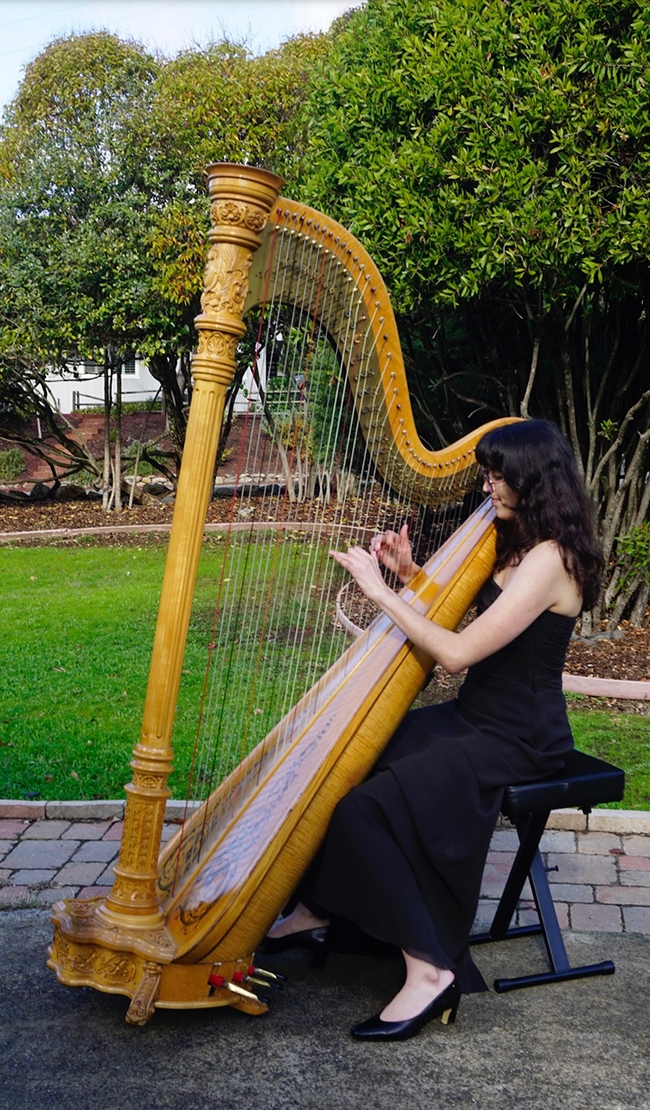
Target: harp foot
144,999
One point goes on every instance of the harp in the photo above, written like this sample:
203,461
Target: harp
180,927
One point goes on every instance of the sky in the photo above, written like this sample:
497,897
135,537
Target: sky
26,26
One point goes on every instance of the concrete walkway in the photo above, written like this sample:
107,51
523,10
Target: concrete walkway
580,1045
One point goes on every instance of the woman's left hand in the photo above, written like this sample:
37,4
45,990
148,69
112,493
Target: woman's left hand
364,568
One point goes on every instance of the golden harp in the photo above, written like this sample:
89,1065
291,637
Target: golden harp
180,928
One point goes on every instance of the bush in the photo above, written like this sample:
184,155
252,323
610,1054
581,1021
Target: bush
12,464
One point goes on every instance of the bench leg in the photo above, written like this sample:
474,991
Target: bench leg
528,864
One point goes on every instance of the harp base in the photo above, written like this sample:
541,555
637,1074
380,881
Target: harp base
84,953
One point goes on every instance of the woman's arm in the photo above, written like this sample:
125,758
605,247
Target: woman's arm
539,582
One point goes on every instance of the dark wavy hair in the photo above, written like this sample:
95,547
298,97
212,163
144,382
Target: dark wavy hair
538,464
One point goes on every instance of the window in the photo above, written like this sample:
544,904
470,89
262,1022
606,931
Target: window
128,366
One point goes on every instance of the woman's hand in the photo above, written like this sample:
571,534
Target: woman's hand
394,550
364,568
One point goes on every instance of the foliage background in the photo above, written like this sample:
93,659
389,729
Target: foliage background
493,157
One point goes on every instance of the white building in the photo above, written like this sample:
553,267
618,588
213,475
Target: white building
83,387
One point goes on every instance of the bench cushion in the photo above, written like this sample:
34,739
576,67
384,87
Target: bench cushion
583,782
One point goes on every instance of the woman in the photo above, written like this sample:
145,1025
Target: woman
405,851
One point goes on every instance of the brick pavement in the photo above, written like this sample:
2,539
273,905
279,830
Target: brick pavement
600,865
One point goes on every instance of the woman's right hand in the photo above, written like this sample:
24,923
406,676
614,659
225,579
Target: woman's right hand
394,551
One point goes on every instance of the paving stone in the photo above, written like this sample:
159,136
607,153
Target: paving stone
484,915
596,918
107,876
531,917
6,846
85,811
54,894
33,811
494,880
14,895
637,845
91,851
598,843
637,920
79,874
176,809
114,832
554,840
87,892
634,863
46,830
629,878
31,877
41,853
10,829
621,821
577,867
571,819
504,840
87,830
624,895
572,892
503,861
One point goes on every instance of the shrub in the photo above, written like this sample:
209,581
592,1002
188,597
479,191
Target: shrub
12,464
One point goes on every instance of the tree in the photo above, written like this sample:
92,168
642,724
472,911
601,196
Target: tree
221,104
495,160
103,211
73,263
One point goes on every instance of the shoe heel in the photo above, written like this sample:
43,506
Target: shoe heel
448,1017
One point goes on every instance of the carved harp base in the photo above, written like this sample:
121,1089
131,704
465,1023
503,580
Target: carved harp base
86,953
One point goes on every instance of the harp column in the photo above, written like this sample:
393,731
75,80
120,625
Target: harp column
241,199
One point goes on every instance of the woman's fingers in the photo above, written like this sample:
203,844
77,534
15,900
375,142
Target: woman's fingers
363,567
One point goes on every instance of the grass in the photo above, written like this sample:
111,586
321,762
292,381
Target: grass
620,738
77,630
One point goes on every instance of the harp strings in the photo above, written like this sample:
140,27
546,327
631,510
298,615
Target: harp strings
276,630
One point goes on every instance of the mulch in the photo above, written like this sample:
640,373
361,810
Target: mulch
626,657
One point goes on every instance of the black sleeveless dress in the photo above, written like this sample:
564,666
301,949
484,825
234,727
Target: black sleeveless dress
405,851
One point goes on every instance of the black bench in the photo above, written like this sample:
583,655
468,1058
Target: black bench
584,782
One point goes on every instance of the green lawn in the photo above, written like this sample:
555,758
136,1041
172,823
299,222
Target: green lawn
621,738
77,630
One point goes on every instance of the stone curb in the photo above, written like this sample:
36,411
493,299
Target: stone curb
621,821
622,688
81,811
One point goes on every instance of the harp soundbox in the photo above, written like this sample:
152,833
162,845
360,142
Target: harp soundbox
180,926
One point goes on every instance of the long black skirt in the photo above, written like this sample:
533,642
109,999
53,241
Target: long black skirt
405,851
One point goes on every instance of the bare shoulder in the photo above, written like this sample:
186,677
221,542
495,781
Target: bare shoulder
544,565
545,555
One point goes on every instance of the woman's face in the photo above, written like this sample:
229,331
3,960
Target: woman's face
504,499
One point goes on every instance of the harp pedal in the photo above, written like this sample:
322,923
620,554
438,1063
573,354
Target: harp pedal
219,982
269,978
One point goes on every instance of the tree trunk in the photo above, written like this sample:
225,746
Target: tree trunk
108,398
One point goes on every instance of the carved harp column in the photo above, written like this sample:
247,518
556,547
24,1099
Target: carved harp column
239,210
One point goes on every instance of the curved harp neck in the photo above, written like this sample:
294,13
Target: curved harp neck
317,257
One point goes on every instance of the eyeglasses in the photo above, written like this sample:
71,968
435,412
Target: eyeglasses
492,480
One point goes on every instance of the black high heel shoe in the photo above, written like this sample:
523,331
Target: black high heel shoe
316,940
445,1006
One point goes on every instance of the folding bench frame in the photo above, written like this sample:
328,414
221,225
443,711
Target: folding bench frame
583,782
